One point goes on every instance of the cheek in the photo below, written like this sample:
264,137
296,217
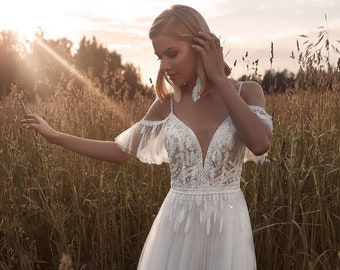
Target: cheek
190,65
189,62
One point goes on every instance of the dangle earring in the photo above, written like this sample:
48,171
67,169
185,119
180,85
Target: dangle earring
197,89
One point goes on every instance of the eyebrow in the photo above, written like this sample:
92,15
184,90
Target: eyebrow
167,50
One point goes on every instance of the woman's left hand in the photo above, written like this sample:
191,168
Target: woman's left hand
209,47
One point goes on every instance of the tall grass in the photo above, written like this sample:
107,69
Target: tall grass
54,202
294,197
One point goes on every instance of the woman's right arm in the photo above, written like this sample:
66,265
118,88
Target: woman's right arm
96,149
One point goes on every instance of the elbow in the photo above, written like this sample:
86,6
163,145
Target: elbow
117,155
260,144
120,159
261,148
115,161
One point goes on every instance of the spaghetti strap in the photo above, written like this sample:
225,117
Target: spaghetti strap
172,104
239,88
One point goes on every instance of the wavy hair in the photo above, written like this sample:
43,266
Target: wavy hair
183,23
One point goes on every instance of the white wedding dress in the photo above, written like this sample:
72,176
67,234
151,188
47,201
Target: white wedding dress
203,223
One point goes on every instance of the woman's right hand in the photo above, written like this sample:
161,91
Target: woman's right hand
97,149
35,122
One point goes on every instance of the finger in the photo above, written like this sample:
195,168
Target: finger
203,43
32,116
213,40
202,51
29,125
206,40
28,121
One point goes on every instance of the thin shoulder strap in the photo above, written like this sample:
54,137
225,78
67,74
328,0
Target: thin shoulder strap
172,103
239,89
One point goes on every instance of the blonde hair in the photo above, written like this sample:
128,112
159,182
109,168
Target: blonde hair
183,23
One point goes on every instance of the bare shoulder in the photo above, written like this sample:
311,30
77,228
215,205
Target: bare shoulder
252,93
159,110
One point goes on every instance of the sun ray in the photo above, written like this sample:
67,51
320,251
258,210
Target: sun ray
75,72
86,81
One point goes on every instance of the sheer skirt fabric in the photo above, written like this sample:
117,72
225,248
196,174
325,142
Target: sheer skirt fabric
200,231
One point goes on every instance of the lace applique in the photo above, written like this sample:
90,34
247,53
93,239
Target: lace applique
262,114
144,140
171,140
220,169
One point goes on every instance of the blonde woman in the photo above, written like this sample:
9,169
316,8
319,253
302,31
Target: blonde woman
203,124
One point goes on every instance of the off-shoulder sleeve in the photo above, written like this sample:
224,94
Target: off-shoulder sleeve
145,141
265,117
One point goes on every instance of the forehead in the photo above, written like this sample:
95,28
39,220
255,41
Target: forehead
163,43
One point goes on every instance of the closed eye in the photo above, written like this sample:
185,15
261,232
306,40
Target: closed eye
172,54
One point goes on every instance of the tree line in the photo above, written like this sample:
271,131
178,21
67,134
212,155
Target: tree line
47,63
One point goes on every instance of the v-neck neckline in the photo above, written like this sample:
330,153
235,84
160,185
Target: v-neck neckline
195,136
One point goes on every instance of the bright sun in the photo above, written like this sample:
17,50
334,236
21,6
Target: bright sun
26,17
60,18
22,17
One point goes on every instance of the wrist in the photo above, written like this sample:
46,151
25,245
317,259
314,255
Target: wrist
55,137
220,81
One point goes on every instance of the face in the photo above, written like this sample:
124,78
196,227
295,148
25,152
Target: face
178,59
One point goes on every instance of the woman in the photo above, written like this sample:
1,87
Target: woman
203,128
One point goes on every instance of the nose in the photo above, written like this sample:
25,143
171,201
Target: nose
165,65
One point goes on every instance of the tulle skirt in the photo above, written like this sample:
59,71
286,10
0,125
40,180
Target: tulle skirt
200,231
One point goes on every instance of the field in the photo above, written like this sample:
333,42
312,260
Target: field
54,201
56,204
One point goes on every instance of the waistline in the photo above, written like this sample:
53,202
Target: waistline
206,194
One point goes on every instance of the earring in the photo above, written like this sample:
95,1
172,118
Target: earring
197,89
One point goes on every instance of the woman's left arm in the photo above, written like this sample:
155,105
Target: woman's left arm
255,133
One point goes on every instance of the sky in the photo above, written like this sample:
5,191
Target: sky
244,26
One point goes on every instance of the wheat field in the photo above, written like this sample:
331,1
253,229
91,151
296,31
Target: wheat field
54,201
62,211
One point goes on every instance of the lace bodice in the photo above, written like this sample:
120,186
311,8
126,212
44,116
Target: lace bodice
219,169
172,141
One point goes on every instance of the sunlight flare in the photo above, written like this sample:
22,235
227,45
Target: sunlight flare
87,82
